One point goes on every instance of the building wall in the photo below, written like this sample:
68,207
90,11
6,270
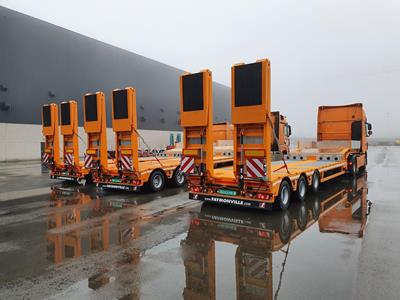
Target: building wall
42,63
22,141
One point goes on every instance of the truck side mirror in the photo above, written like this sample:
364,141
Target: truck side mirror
290,130
369,126
369,132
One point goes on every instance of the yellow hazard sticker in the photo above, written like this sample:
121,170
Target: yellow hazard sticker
254,153
190,152
90,151
70,151
126,151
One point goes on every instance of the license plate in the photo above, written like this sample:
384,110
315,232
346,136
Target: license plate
116,180
227,192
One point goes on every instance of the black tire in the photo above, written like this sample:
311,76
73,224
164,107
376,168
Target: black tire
283,199
157,181
285,228
178,178
315,181
89,178
301,190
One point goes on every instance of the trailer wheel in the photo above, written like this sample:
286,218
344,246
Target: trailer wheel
157,181
178,178
88,178
301,188
283,199
315,182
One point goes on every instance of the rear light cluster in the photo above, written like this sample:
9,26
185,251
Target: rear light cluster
259,196
262,196
195,189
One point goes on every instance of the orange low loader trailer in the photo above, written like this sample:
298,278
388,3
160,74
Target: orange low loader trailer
96,157
131,172
72,168
51,154
255,181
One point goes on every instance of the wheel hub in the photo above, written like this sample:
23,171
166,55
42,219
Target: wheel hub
157,181
285,195
180,177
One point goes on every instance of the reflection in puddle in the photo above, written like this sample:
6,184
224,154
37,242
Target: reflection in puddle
258,235
71,232
226,252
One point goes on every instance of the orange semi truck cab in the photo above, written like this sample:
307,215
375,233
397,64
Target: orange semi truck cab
282,131
346,124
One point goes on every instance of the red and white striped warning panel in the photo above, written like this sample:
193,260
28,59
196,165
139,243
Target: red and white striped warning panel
126,162
69,158
187,164
45,158
88,161
255,167
256,266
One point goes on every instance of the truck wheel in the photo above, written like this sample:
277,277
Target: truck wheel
315,182
301,188
283,199
178,178
157,181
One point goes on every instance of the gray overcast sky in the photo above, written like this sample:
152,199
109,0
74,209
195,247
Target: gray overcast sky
322,52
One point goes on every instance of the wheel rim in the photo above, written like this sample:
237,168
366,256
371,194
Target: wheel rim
302,189
180,178
285,195
157,181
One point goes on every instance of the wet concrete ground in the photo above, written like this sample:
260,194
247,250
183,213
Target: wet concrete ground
63,241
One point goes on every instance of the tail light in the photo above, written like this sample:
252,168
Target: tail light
262,196
196,189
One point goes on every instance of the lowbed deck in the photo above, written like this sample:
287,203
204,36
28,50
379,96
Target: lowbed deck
295,167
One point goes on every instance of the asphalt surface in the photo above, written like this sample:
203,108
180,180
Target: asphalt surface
63,241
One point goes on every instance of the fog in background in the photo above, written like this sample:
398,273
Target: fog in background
327,52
